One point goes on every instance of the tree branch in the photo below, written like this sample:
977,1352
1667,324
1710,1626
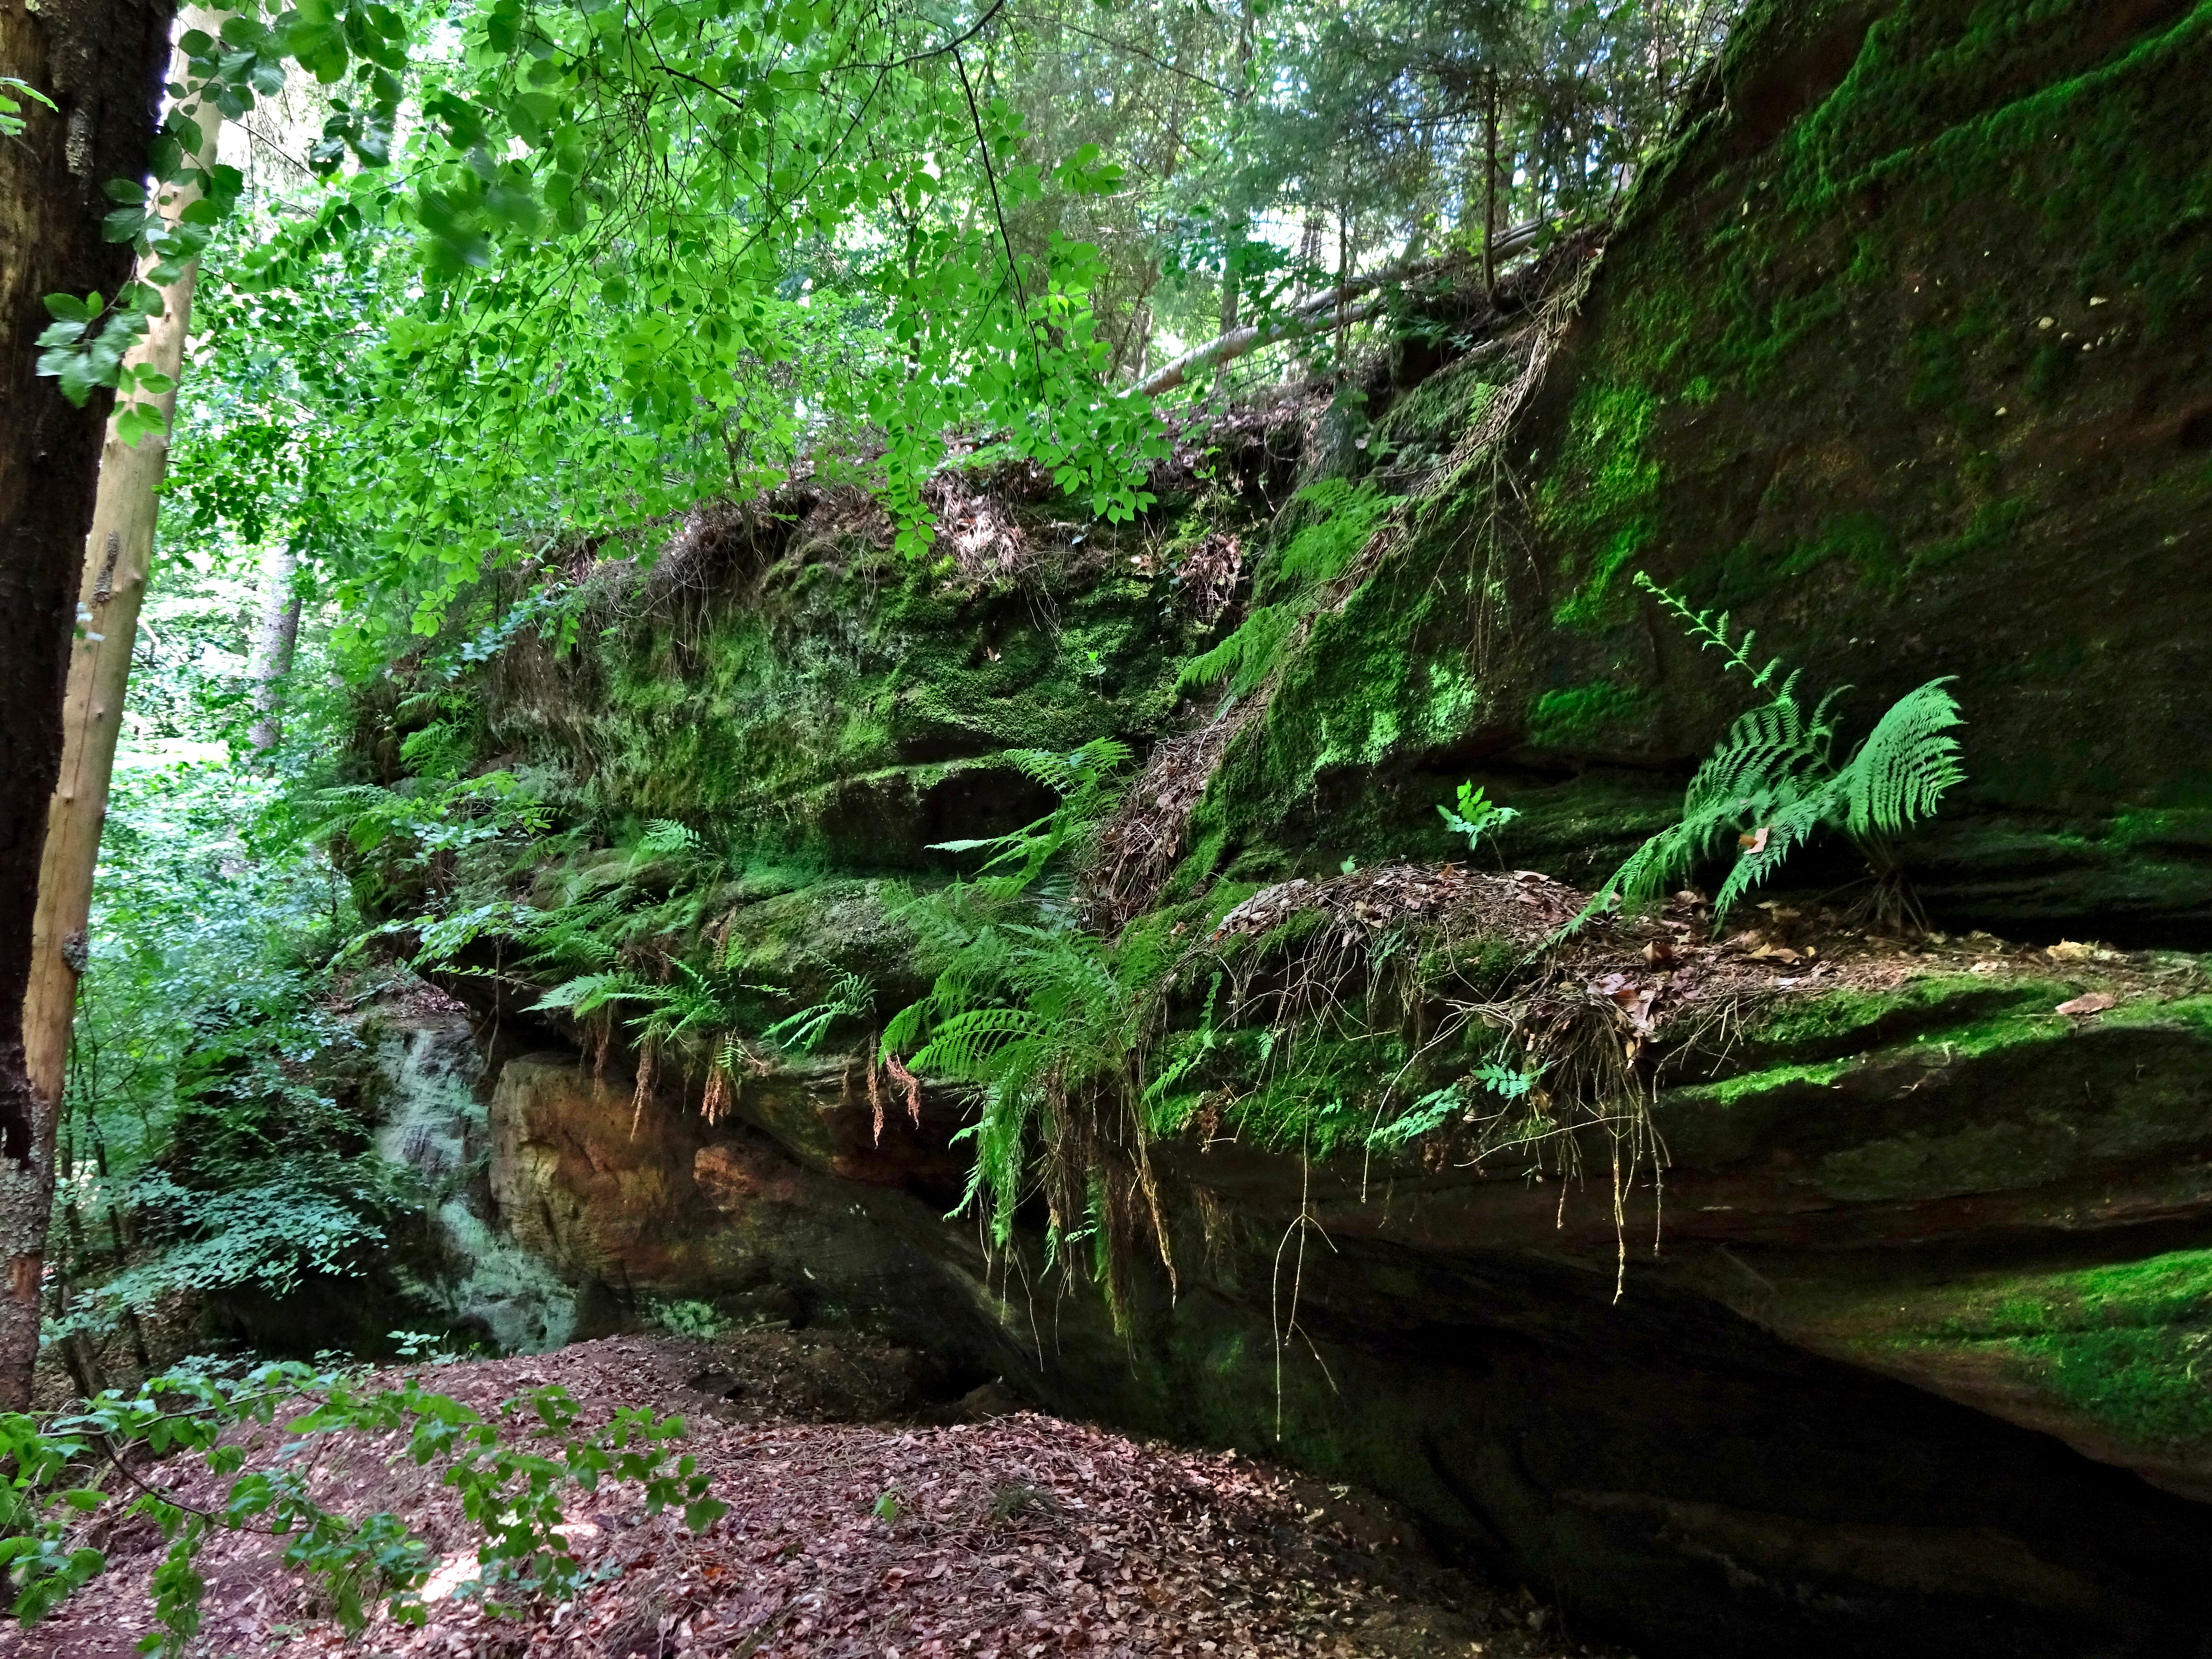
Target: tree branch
1314,313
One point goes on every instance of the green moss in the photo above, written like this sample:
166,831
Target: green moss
2125,1345
1943,1007
1602,479
2181,829
1749,1085
1422,426
1577,716
1993,529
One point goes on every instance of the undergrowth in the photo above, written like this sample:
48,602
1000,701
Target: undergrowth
515,1470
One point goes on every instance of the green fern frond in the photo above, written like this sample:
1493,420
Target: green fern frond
1247,657
800,1033
1900,773
1771,784
666,838
969,1048
587,992
1788,822
1712,634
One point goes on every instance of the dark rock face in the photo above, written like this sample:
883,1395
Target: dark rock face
1913,331
1900,357
1683,1466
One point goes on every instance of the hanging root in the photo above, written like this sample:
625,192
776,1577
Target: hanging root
648,1063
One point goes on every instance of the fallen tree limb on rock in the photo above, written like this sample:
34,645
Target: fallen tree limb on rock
1320,311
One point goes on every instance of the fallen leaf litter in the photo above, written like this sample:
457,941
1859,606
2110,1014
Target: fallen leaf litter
1012,1537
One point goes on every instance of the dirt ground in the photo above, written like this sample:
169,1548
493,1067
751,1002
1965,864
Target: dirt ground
864,1518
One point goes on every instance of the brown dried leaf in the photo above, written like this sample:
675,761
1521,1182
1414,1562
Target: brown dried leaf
2091,1002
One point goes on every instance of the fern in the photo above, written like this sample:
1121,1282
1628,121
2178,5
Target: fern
1083,778
1246,657
666,838
586,994
800,1033
1029,1011
1772,785
1899,774
1432,1111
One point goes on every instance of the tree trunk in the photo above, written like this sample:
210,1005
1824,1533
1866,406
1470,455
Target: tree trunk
1311,315
101,61
1231,276
272,651
1346,259
1490,192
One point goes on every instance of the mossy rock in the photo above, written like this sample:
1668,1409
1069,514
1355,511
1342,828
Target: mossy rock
1898,355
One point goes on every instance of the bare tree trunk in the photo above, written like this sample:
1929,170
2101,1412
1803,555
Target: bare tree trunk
1311,315
1347,260
1489,191
101,62
272,651
1231,276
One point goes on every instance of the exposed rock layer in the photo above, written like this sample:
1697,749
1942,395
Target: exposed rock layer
1691,1465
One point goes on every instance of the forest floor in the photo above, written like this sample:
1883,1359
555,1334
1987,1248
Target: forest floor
1009,1533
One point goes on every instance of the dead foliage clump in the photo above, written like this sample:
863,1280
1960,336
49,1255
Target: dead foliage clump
719,542
977,527
1134,849
1524,906
1204,577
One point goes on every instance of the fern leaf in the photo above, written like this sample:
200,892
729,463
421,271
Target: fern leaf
588,992
666,838
1788,820
1900,773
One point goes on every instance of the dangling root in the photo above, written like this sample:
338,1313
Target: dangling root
648,1057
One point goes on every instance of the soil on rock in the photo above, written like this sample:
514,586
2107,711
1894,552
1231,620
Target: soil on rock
1008,1534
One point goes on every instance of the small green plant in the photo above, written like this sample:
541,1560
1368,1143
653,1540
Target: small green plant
425,1347
1772,784
888,1509
1456,1099
687,1317
665,838
11,111
1475,816
514,1469
850,997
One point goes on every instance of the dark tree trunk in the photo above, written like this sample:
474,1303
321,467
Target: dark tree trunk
101,61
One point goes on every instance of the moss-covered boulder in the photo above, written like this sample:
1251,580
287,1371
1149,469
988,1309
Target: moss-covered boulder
1899,356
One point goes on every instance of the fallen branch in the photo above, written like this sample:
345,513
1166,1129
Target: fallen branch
1319,311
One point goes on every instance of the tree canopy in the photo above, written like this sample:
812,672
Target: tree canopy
527,272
